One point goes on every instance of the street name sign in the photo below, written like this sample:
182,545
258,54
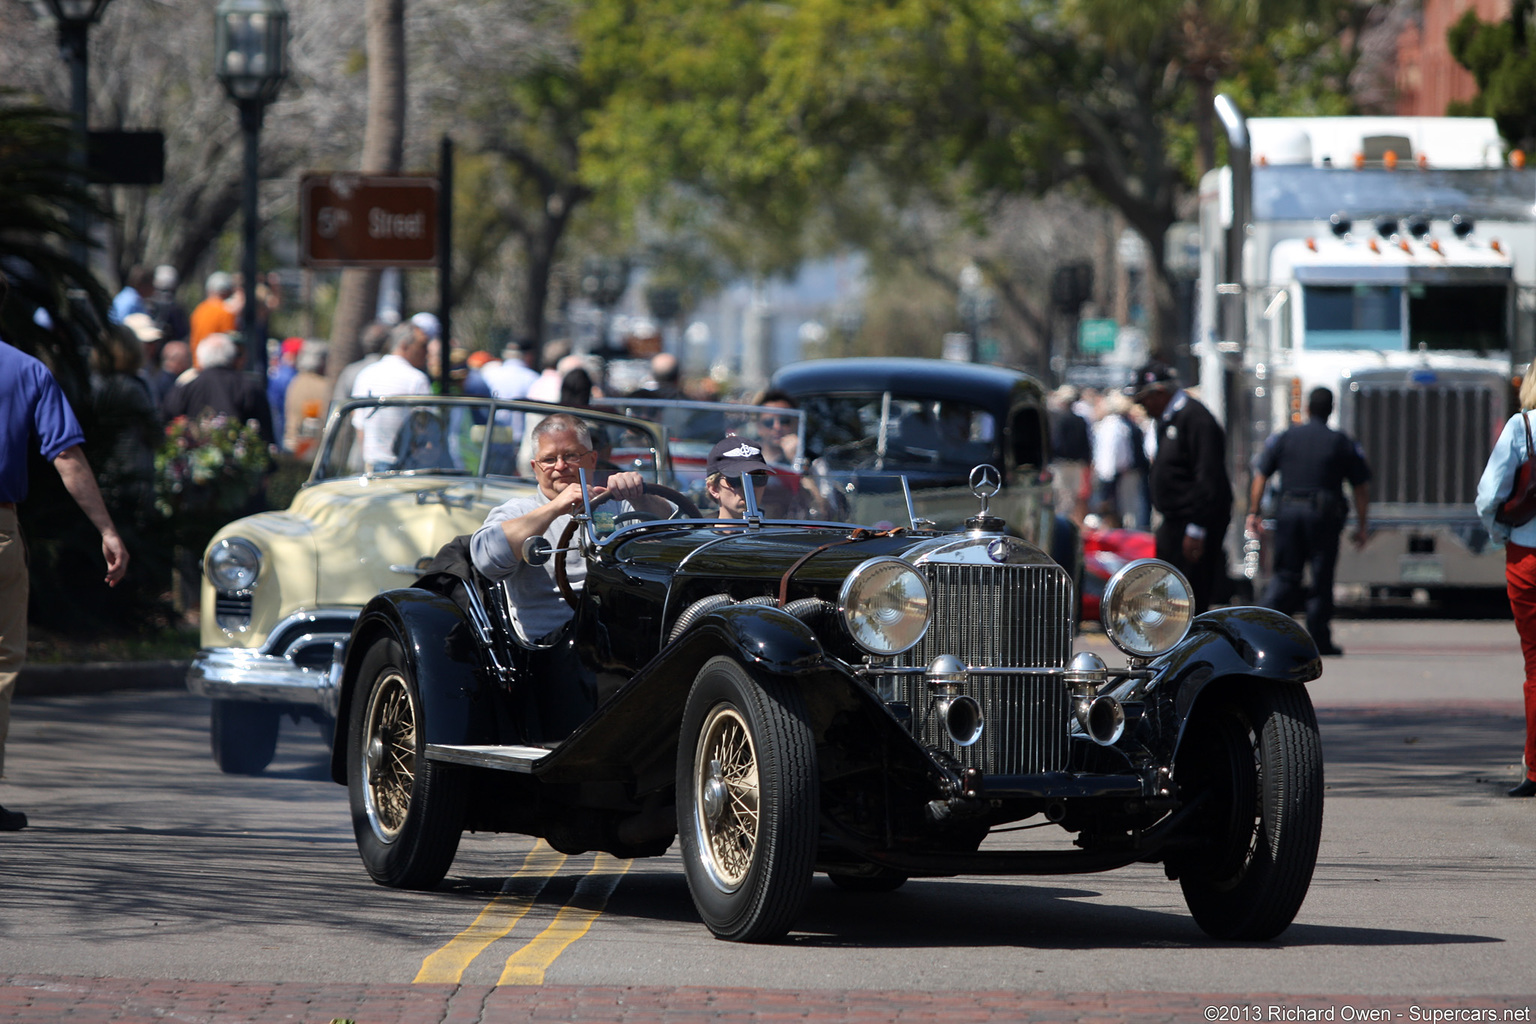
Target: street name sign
355,220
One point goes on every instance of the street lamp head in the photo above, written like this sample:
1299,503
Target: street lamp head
76,12
250,48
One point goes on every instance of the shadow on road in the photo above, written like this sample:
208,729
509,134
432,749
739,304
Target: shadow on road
1441,750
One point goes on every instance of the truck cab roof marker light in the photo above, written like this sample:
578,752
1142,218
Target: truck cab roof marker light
1517,158
1496,247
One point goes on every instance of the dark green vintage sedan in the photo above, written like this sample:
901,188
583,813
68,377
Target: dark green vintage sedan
873,703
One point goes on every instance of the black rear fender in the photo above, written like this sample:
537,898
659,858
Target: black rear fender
443,655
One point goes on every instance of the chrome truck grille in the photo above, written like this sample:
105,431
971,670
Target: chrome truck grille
1011,616
1427,444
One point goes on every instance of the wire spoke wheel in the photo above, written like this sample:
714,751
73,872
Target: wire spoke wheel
1256,760
728,796
748,801
407,812
391,755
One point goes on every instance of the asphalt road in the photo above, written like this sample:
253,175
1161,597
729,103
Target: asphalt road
143,861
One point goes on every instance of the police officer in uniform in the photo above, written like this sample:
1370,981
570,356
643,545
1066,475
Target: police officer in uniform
1313,462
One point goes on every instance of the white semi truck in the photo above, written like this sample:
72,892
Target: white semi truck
1392,260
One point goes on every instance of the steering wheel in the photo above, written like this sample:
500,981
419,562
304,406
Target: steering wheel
684,505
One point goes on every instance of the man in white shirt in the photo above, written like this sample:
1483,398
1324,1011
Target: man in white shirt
401,372
510,378
562,448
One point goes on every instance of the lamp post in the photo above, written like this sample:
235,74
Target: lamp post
74,19
975,305
251,59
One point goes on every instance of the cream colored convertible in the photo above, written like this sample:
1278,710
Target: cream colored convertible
281,590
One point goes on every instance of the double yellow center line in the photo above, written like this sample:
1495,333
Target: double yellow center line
526,966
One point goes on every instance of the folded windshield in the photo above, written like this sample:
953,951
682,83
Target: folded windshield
459,437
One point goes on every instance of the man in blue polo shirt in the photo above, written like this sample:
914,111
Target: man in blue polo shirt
34,413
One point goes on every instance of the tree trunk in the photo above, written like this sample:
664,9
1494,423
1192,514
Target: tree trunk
383,153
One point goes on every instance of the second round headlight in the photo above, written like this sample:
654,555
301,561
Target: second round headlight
233,564
884,605
1147,607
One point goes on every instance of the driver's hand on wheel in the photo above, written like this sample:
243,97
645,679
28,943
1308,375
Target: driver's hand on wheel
630,487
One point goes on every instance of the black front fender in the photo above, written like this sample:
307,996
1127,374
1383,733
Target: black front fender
1237,647
635,730
442,654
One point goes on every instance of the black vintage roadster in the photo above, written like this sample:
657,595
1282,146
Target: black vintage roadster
794,697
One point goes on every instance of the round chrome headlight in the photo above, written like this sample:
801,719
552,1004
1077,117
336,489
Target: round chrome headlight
1146,608
884,606
233,564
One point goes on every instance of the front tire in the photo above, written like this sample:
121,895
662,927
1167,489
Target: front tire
747,802
407,812
1257,758
243,735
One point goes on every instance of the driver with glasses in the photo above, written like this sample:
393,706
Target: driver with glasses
562,448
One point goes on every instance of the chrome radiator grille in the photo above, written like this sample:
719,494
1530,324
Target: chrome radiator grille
1427,444
1003,615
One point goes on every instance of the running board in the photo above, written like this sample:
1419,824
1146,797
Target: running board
506,759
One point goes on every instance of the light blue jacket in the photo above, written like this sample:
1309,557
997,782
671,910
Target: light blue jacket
1499,478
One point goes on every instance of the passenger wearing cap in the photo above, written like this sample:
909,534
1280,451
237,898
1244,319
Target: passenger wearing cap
729,460
1189,481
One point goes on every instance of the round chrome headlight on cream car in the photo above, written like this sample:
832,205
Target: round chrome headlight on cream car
884,606
233,565
1147,607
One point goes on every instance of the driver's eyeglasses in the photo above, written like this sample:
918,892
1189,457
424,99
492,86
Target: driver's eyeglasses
569,458
774,422
759,480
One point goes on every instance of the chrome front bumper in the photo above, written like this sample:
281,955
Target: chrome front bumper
269,676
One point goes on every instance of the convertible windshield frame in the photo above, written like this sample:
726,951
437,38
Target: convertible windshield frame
656,410
480,437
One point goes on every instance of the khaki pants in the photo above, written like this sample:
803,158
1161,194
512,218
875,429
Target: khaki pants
13,616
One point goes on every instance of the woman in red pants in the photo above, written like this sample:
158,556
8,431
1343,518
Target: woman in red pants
1511,450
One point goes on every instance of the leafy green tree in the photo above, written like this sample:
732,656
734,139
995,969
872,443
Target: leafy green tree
773,106
1502,58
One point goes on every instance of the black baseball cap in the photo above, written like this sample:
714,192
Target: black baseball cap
734,456
1153,373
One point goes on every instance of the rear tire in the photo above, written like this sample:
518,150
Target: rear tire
747,802
407,812
1258,758
243,735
